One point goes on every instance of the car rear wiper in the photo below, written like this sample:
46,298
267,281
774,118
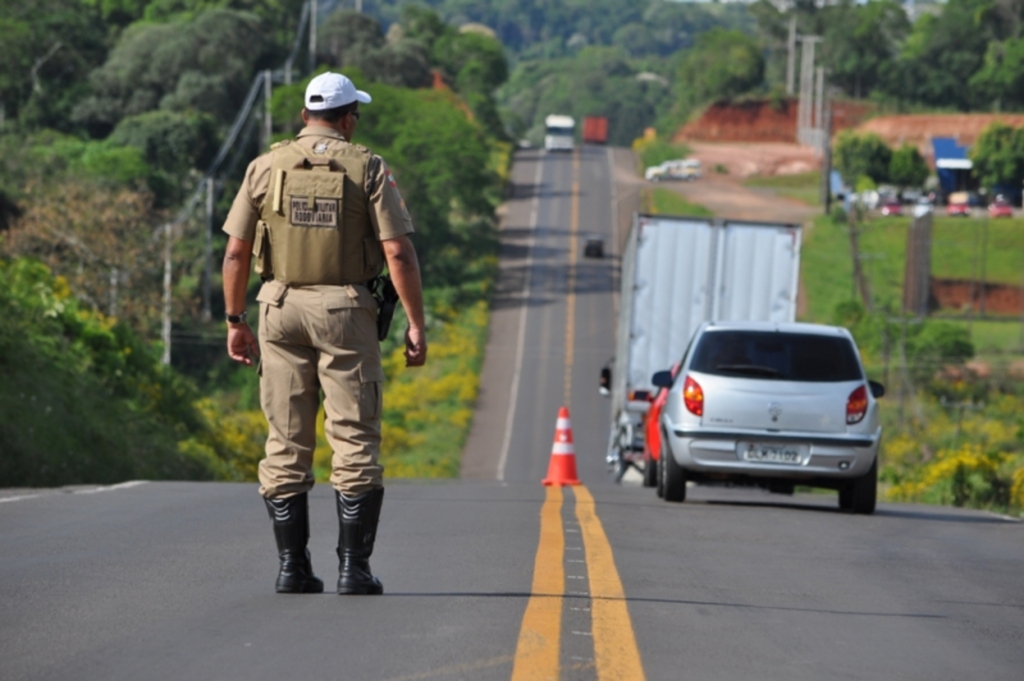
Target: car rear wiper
752,369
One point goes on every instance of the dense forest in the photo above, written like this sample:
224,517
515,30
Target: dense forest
116,114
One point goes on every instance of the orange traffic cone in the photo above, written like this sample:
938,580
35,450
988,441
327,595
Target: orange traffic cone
562,468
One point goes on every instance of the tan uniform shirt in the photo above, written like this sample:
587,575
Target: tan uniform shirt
387,209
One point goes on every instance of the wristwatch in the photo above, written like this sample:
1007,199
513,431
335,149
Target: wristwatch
237,318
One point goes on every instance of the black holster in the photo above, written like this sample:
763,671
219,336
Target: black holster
387,298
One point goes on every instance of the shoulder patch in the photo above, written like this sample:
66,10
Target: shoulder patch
363,149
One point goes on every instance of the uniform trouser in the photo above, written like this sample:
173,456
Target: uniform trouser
317,338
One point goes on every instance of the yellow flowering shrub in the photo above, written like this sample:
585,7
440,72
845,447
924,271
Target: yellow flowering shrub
965,455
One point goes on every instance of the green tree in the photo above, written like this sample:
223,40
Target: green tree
172,143
998,155
476,63
1000,80
940,56
907,168
348,38
723,65
48,49
204,64
861,40
856,156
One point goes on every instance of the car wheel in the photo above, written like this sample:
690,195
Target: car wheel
860,495
673,477
864,492
846,497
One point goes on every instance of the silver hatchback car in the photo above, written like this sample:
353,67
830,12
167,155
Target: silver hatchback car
773,405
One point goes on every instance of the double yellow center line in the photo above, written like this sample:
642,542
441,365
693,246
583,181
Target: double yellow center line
616,656
537,657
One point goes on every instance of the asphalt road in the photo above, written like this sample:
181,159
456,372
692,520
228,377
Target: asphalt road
174,580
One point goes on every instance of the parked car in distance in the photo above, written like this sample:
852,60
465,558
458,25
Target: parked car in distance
593,247
1000,208
891,208
958,210
676,169
772,405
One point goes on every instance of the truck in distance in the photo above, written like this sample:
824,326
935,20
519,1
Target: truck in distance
558,133
595,130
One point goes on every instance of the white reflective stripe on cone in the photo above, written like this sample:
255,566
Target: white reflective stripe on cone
563,448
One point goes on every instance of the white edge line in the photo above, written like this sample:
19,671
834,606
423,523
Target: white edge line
91,490
110,488
20,498
521,339
610,157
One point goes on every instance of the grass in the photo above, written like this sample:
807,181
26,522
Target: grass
957,245
827,271
662,201
804,187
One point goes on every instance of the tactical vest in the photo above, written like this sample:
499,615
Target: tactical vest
315,226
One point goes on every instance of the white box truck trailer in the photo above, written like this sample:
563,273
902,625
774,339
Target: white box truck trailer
678,273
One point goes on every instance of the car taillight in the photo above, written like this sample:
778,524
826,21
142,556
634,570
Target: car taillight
693,397
856,405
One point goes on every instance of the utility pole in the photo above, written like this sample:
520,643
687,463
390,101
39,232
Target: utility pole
805,111
791,57
207,313
825,188
312,35
165,333
984,259
268,121
115,275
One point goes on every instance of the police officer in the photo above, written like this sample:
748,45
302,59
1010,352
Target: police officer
320,216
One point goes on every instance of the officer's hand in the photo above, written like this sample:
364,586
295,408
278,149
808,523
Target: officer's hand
415,347
242,345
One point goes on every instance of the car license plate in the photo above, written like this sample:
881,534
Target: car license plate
762,453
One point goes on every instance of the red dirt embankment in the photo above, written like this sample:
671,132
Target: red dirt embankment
919,129
959,294
761,121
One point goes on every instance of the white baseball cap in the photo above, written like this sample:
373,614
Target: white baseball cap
331,90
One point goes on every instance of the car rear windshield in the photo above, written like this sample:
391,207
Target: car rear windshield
776,356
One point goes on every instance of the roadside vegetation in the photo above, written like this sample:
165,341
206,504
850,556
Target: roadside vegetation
664,201
87,183
952,415
802,187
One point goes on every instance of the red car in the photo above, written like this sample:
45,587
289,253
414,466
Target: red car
652,434
1000,208
961,209
890,208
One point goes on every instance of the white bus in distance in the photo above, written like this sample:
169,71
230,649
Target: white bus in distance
558,133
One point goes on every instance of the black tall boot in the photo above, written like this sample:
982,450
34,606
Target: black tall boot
291,530
358,517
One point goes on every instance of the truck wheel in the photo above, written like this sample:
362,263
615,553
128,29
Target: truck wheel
673,475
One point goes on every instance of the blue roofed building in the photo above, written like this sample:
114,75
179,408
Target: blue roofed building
952,166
